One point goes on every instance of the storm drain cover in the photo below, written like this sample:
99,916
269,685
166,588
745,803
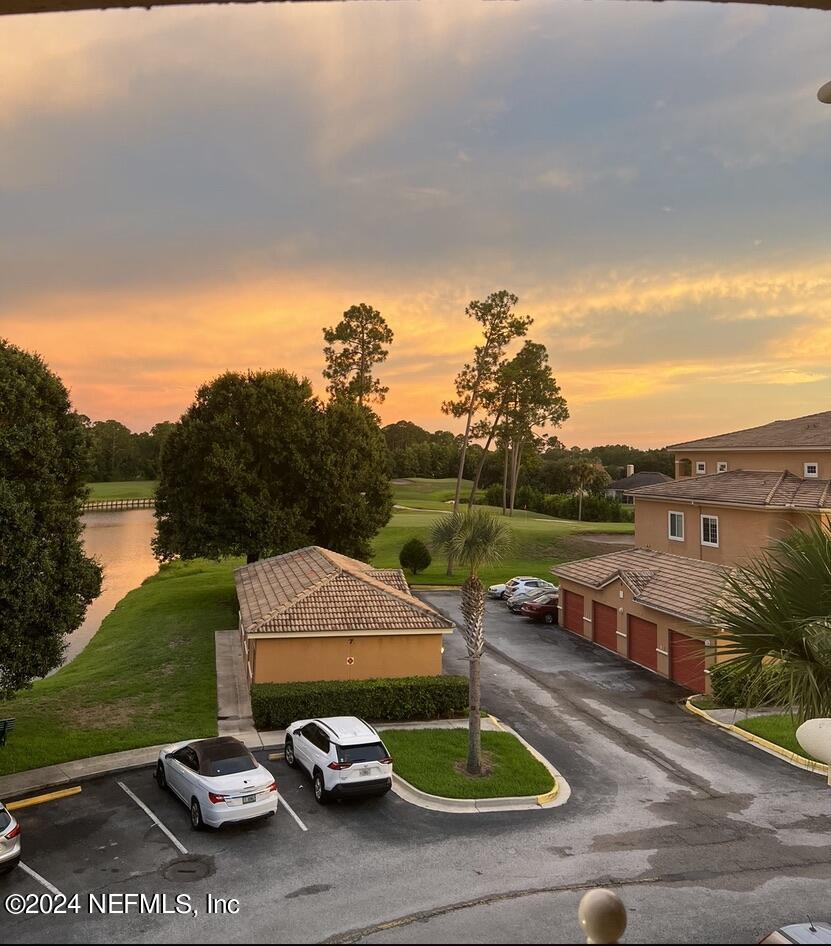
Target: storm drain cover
188,869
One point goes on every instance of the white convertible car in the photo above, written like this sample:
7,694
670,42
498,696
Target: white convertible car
218,779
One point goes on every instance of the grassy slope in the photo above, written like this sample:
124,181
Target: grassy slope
129,489
147,677
426,758
779,729
539,541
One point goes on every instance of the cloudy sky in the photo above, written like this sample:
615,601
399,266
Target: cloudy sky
188,190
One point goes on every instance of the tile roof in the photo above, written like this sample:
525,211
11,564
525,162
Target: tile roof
684,587
773,489
317,590
637,480
811,431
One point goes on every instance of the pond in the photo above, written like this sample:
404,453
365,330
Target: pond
120,541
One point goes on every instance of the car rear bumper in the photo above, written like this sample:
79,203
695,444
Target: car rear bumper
217,815
376,786
10,853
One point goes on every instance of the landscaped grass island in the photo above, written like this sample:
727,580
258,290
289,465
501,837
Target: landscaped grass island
433,761
778,728
146,678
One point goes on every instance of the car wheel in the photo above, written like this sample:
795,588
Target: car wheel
161,778
319,786
9,866
549,619
196,821
291,761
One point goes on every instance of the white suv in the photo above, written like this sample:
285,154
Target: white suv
343,754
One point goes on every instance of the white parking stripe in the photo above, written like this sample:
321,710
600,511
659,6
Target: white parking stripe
154,819
36,876
292,812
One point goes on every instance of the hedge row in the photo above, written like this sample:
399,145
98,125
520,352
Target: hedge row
276,705
565,505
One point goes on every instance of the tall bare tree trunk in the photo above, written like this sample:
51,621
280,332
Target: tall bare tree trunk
473,612
505,482
462,455
516,453
481,464
474,745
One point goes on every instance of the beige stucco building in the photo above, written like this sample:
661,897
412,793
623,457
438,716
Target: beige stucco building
734,495
313,614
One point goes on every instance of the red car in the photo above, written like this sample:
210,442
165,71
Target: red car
542,608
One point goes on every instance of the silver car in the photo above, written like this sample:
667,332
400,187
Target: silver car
9,839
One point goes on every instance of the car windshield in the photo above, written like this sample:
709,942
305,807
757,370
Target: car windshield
547,598
371,752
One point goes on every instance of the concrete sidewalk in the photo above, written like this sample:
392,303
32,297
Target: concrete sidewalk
233,698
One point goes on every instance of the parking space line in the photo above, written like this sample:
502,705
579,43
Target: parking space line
154,819
292,812
41,880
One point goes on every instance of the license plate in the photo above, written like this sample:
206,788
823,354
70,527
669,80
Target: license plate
247,799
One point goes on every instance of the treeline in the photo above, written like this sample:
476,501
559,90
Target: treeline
116,453
547,466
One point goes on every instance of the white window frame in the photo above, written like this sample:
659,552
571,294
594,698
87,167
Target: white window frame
721,466
815,465
700,466
675,538
712,545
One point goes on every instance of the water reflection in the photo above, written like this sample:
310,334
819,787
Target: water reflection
120,541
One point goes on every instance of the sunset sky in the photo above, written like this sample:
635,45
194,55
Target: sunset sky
190,190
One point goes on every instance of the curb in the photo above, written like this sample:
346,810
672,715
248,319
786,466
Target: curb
559,794
82,770
792,758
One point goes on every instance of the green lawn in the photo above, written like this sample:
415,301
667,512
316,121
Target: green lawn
430,760
779,729
147,677
129,489
539,541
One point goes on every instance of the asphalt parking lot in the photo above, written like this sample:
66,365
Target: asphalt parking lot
706,839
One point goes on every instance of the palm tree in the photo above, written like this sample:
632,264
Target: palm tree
776,613
473,538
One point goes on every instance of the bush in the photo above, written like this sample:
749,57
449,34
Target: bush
415,556
529,497
595,508
735,689
276,705
493,495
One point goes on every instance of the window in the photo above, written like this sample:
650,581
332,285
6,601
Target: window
676,526
371,752
709,530
316,737
721,466
812,469
188,758
700,466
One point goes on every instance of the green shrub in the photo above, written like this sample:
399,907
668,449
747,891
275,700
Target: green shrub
735,689
493,495
276,705
595,508
529,497
415,556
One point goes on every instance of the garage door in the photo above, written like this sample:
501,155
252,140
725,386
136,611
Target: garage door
573,612
604,622
686,661
643,641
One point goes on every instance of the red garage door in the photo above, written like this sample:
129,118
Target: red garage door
604,622
573,612
643,641
686,661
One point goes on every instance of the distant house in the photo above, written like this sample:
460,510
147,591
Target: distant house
617,489
314,614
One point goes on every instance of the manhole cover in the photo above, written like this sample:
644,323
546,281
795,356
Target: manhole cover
188,869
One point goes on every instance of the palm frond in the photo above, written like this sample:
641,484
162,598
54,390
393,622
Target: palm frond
776,611
472,537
